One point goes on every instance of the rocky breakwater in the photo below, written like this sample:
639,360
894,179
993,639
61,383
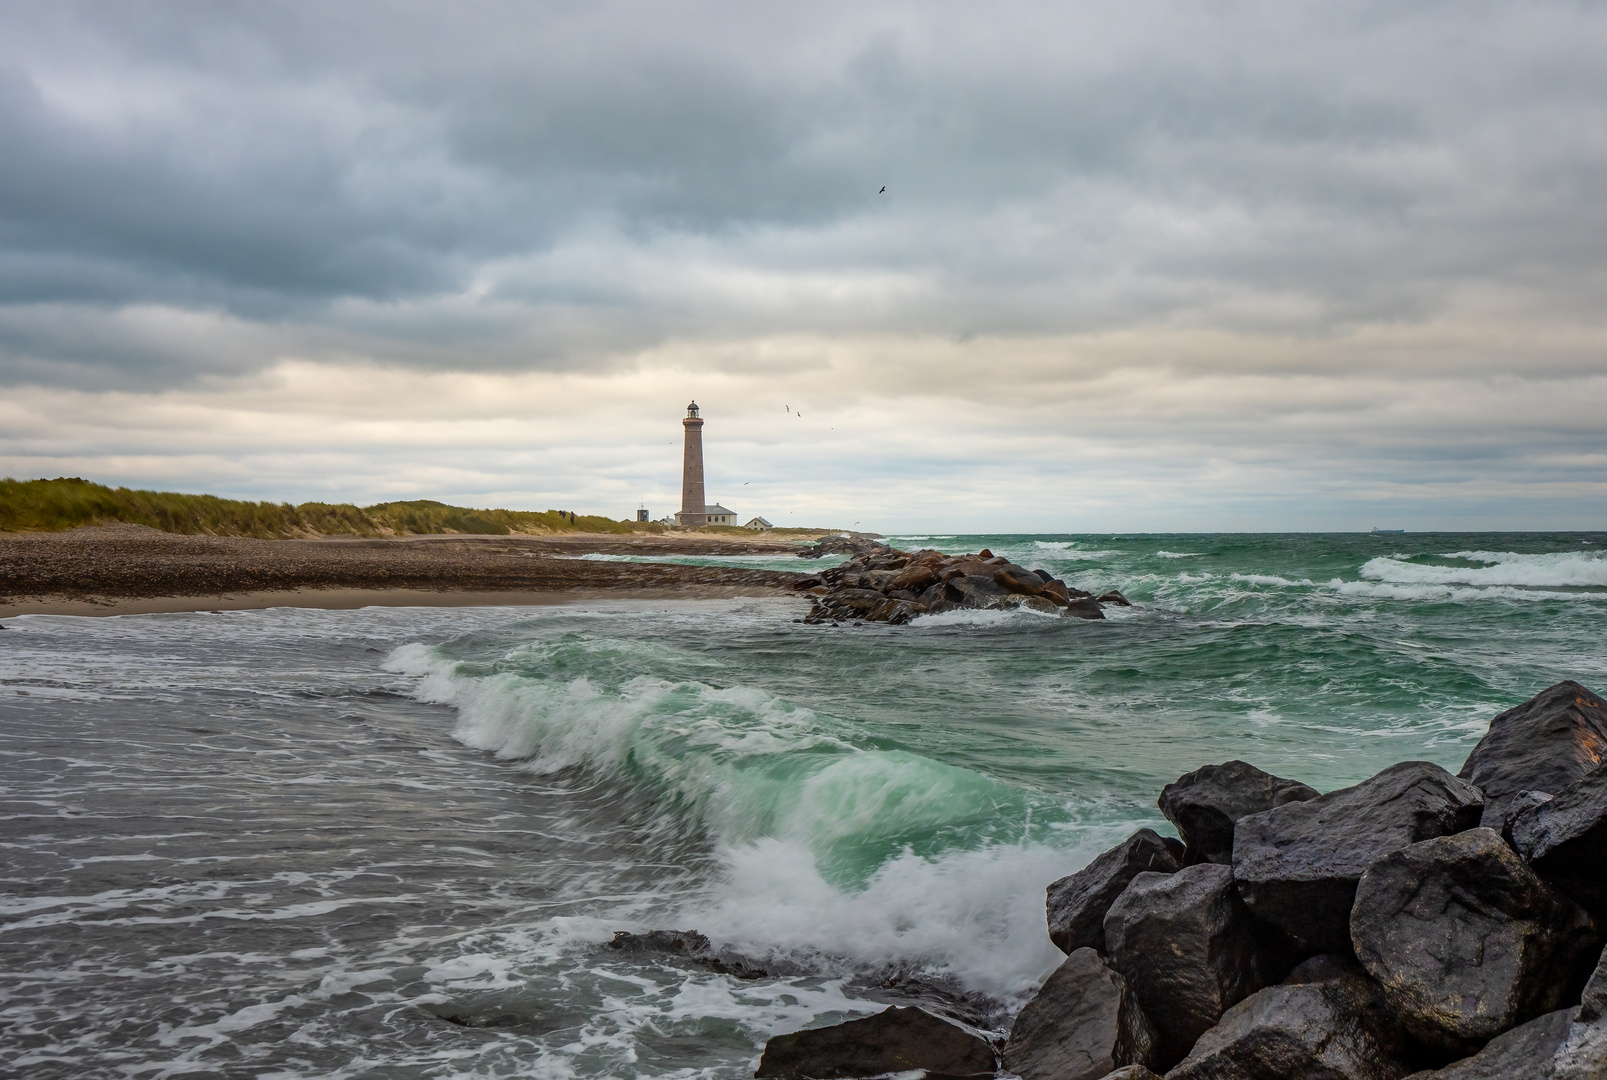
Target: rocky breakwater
883,584
1415,925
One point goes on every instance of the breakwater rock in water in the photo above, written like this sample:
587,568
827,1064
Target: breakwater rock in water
883,584
1379,932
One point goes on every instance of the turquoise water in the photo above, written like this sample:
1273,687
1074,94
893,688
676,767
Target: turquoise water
836,803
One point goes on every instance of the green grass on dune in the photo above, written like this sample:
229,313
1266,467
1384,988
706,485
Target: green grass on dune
53,505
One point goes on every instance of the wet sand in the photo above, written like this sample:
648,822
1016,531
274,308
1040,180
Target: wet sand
128,569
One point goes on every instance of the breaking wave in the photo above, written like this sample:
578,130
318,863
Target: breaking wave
874,855
1560,569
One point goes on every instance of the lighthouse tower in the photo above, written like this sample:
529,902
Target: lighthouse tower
693,510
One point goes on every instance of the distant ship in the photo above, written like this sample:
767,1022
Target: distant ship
1385,532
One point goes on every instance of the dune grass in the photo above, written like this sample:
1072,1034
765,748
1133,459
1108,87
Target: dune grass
69,502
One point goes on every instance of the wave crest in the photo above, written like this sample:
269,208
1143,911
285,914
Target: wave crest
1560,569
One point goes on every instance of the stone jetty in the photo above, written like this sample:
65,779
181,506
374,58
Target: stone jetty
882,584
1416,925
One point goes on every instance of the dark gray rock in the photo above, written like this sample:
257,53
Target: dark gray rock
1546,744
1082,607
1322,968
1190,950
1593,1002
1565,839
976,591
1332,1029
679,942
852,603
1297,865
1083,1023
1466,940
1556,1046
897,1040
1077,904
1131,1072
1205,803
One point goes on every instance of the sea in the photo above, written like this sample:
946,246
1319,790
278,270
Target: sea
398,842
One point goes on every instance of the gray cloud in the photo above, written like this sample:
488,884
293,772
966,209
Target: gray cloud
1280,237
1051,169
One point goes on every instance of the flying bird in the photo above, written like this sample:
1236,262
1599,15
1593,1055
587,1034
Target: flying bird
883,191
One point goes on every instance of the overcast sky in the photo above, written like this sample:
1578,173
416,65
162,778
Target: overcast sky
1159,266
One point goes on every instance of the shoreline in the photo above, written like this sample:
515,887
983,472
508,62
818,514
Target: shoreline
353,599
132,569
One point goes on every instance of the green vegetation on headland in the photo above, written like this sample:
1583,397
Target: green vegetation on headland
54,505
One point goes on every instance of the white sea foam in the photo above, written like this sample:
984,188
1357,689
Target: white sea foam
1180,554
1271,579
1384,590
1545,570
974,915
977,617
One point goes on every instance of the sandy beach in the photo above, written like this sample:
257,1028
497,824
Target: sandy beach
130,569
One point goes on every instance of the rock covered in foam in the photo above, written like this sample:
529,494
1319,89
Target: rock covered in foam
1076,905
1297,865
1083,1022
1466,940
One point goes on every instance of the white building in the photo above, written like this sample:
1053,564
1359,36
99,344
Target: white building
713,515
759,524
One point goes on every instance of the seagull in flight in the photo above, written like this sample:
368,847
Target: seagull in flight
883,191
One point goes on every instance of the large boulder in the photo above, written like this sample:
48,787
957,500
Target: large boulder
1466,940
1565,839
1131,1072
1546,744
897,1040
1205,804
1556,1046
867,604
1297,865
1593,1002
976,591
1018,579
1076,905
1335,1029
1082,607
1083,1023
1190,949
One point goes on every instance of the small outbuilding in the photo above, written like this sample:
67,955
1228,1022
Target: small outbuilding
759,524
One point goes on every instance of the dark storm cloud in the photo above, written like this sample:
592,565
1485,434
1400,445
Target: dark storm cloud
503,185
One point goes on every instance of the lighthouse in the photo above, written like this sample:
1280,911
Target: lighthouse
693,510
